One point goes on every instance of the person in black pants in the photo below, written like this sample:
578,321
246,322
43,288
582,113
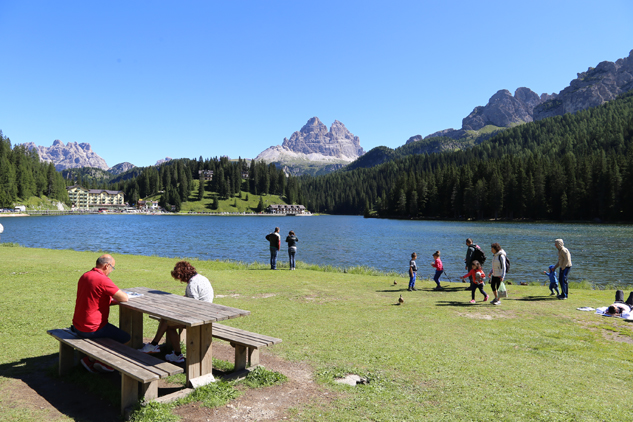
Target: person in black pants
620,305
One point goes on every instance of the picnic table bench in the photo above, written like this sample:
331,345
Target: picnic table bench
139,371
246,343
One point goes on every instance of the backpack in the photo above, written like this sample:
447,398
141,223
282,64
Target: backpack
507,264
478,255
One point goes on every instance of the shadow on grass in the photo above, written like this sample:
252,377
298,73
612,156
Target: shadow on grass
456,303
537,298
69,397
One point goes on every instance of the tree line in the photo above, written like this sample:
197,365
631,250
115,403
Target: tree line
571,167
174,181
22,175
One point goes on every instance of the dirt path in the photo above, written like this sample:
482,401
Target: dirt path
56,398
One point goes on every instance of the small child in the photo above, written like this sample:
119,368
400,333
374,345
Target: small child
439,268
413,269
553,280
478,280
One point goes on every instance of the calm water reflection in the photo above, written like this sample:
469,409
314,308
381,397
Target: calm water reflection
601,253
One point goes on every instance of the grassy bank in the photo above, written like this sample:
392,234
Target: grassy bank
436,357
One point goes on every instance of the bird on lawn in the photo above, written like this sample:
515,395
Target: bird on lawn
401,300
395,282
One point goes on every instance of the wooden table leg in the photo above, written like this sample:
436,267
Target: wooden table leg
193,353
131,322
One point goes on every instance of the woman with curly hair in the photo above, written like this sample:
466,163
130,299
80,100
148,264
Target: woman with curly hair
198,287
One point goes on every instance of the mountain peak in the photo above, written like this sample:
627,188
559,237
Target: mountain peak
314,143
72,155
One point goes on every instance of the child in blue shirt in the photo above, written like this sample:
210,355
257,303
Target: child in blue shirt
553,280
413,269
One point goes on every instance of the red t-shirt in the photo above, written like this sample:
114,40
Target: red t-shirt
438,265
94,294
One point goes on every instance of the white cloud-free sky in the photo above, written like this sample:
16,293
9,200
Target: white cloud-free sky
142,80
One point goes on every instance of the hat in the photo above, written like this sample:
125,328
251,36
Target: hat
551,267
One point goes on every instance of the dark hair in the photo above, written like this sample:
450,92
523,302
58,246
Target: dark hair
496,246
276,229
469,241
291,233
183,271
612,310
437,253
476,264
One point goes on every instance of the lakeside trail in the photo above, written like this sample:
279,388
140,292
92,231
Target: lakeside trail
435,357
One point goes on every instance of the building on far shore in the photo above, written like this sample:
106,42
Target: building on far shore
83,198
147,205
286,209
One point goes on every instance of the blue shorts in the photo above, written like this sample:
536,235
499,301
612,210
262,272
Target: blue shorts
108,331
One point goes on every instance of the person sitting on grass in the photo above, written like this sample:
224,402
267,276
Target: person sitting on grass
198,287
478,277
620,307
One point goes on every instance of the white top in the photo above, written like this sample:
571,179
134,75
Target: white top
199,288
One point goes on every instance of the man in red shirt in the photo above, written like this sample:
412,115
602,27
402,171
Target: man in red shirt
95,293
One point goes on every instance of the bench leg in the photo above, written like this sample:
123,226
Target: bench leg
253,357
129,392
240,357
66,358
149,390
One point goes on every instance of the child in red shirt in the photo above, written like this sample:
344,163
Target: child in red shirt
439,268
478,280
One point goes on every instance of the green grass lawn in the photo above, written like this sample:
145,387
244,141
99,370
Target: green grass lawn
436,357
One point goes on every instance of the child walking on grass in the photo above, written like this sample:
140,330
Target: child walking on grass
553,280
478,277
439,268
413,269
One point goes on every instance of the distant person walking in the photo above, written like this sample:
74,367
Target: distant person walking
478,277
413,270
439,268
275,244
553,281
292,248
498,271
564,263
473,253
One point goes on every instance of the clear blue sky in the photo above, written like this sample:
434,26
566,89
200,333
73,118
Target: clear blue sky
142,80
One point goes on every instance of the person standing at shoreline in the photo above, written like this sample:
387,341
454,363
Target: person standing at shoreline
564,262
498,271
292,248
275,244
413,270
439,268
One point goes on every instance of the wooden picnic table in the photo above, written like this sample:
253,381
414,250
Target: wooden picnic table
196,315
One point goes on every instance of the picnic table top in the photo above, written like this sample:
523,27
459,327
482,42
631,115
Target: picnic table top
180,309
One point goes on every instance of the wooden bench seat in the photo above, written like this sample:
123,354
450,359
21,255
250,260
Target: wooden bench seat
246,343
139,371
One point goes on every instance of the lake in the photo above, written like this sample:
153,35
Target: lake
600,253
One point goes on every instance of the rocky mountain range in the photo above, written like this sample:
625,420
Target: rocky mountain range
590,89
315,144
72,155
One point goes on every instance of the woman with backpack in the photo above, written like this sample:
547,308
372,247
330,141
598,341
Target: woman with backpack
498,272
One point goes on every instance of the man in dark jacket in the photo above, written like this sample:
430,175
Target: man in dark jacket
275,244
